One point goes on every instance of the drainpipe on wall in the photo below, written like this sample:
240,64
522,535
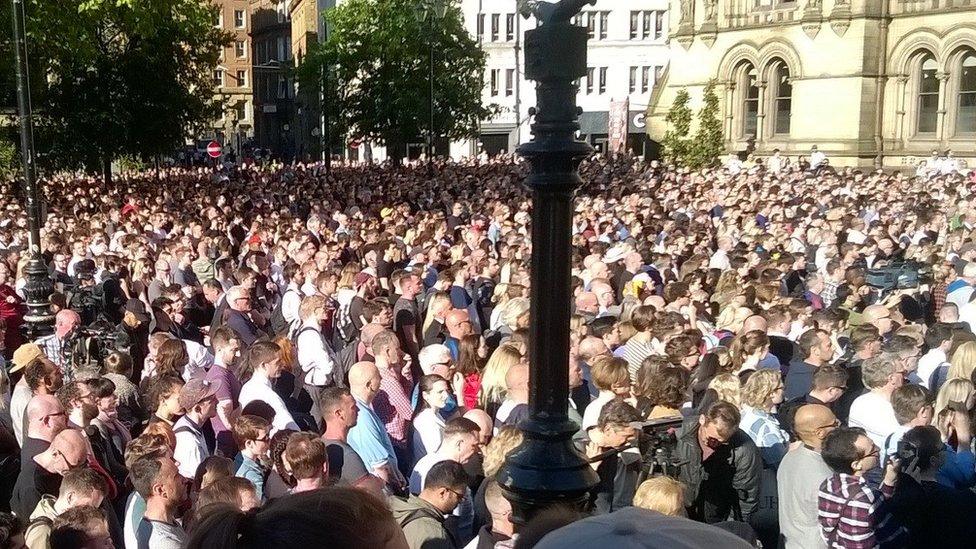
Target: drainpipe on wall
882,78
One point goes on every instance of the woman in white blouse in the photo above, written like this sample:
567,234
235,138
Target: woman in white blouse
428,425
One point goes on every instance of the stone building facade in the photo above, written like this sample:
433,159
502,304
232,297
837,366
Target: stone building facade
870,82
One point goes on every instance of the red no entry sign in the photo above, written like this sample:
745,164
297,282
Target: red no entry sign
214,149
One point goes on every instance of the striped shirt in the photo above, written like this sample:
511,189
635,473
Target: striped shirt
854,515
765,431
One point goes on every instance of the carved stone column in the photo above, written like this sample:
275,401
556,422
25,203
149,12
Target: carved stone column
940,126
901,93
761,129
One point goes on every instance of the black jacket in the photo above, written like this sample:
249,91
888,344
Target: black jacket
724,486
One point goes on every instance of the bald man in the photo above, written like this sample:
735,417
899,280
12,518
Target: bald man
799,477
587,305
515,408
590,349
45,419
369,437
458,324
880,317
484,423
65,322
41,475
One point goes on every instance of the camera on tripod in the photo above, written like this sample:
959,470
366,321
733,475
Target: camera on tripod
657,442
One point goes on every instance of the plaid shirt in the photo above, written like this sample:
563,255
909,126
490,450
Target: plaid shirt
854,515
392,405
939,294
829,293
52,347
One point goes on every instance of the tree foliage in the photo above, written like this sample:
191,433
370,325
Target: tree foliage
9,161
123,77
676,142
709,143
703,149
378,51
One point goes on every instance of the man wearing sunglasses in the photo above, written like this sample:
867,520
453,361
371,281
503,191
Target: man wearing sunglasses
41,476
721,466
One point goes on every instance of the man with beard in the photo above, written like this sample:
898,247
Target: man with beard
79,403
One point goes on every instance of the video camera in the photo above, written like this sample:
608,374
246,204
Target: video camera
899,275
657,443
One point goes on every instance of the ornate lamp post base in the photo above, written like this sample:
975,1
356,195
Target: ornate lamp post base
547,469
39,286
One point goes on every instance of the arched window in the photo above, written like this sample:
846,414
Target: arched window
749,84
928,96
966,117
782,99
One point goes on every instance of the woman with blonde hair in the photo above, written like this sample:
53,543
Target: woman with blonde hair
662,494
761,394
493,388
725,387
963,362
437,309
732,317
953,409
509,313
954,390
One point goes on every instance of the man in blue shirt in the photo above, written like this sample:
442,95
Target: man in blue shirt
369,437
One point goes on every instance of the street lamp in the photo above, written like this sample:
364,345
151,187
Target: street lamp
39,286
546,469
428,11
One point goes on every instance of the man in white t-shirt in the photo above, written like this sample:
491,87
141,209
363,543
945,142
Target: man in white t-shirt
872,411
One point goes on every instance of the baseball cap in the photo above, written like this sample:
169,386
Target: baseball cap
635,528
138,309
197,390
24,355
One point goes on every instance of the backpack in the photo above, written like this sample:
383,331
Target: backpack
39,522
340,364
279,325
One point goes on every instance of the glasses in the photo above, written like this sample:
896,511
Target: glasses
832,425
460,495
874,452
70,466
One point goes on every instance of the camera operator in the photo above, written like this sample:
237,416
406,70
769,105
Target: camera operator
936,514
720,466
86,298
614,429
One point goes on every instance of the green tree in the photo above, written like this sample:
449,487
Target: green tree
9,161
378,51
677,145
123,77
708,143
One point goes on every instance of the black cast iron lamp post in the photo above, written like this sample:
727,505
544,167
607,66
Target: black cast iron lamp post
428,11
39,286
547,469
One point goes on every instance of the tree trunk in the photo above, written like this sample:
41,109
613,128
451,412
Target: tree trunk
106,170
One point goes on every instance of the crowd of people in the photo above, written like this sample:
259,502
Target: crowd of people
267,356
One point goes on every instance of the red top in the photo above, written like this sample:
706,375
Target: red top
472,386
